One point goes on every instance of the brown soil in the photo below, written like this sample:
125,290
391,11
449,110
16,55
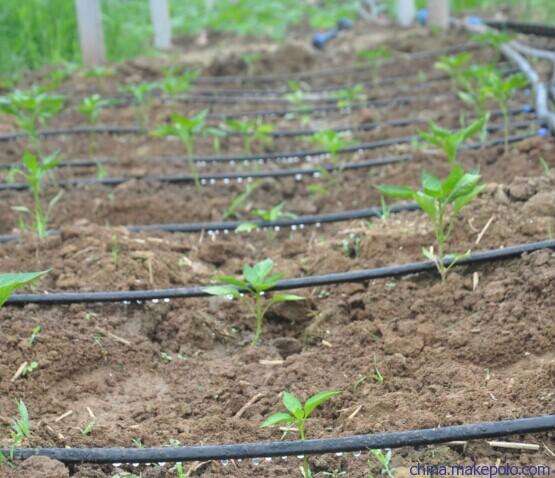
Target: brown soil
478,347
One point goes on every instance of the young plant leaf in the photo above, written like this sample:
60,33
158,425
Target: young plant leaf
277,418
11,282
293,404
317,400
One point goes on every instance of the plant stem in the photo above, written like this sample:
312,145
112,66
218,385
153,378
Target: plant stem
259,318
505,126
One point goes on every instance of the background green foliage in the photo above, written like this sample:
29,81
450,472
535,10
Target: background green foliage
38,32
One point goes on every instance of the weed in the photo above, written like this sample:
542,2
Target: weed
442,202
181,473
386,210
31,109
21,426
115,250
99,72
9,283
252,130
455,66
297,415
384,459
239,201
251,288
186,130
347,97
472,83
217,134
297,97
34,173
450,141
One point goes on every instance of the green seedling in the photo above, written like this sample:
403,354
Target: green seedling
239,201
34,172
473,92
31,110
21,426
9,283
347,97
384,459
297,416
455,66
375,57
501,90
332,143
99,72
217,134
442,202
252,131
88,428
274,214
175,85
29,368
91,106
186,130
60,74
493,39
298,99
450,141
545,167
180,471
251,288
142,97
34,335
386,210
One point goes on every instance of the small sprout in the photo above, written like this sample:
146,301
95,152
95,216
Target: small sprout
274,214
246,227
137,442
9,283
253,131
347,97
442,202
351,245
34,335
332,143
88,428
298,98
29,368
450,141
99,72
251,288
175,85
217,134
166,357
545,166
186,130
181,473
386,210
297,416
34,172
384,459
91,106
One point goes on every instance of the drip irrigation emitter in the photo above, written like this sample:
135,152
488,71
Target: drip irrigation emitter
227,178
57,298
348,444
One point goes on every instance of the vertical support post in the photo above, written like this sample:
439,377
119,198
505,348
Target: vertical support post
160,15
406,12
438,13
91,36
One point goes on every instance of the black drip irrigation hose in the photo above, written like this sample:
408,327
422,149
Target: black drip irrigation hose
124,130
526,28
227,177
357,443
57,298
334,71
298,173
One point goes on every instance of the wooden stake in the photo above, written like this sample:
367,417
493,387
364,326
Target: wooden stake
406,12
91,36
438,13
160,15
